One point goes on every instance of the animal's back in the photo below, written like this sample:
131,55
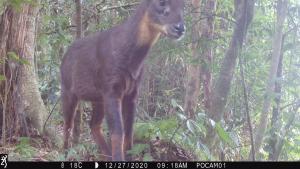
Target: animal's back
81,66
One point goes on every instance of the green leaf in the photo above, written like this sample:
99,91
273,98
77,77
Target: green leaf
2,78
2,6
14,57
167,125
144,131
200,127
2,61
148,157
17,4
181,116
190,126
24,147
24,61
223,134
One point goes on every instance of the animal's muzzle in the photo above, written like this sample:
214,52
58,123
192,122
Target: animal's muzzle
179,28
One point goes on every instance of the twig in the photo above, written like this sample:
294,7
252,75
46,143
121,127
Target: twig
116,7
290,104
51,112
247,108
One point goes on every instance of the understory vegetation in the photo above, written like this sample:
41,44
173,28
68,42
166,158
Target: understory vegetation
165,128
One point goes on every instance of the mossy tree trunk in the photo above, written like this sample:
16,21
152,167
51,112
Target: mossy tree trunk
22,106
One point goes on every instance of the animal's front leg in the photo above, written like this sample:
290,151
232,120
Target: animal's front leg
128,110
115,125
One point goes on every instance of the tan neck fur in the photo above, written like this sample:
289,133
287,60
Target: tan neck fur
149,32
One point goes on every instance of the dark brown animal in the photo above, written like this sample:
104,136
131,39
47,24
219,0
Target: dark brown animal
106,69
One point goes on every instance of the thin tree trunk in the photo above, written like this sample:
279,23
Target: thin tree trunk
207,29
78,19
277,43
283,133
246,102
5,85
276,114
193,80
244,13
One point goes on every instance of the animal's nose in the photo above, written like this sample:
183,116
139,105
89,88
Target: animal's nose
180,27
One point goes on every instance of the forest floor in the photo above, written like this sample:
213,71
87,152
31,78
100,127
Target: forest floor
42,148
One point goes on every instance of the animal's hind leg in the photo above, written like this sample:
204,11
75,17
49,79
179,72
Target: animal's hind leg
128,112
77,124
69,103
97,118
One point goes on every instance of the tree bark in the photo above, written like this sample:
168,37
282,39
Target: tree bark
277,43
28,86
20,89
243,14
283,133
193,77
246,103
276,113
78,19
207,29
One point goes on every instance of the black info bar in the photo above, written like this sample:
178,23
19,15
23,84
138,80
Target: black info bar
149,165
5,163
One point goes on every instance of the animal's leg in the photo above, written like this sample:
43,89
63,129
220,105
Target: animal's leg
128,111
69,103
97,118
77,124
112,105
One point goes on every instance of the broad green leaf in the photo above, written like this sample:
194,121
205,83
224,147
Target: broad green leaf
223,134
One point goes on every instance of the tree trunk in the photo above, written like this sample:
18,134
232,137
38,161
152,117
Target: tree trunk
78,19
243,14
283,133
193,77
277,42
276,113
22,101
207,29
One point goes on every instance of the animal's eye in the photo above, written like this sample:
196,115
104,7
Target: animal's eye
162,2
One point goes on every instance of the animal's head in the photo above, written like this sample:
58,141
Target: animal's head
167,16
